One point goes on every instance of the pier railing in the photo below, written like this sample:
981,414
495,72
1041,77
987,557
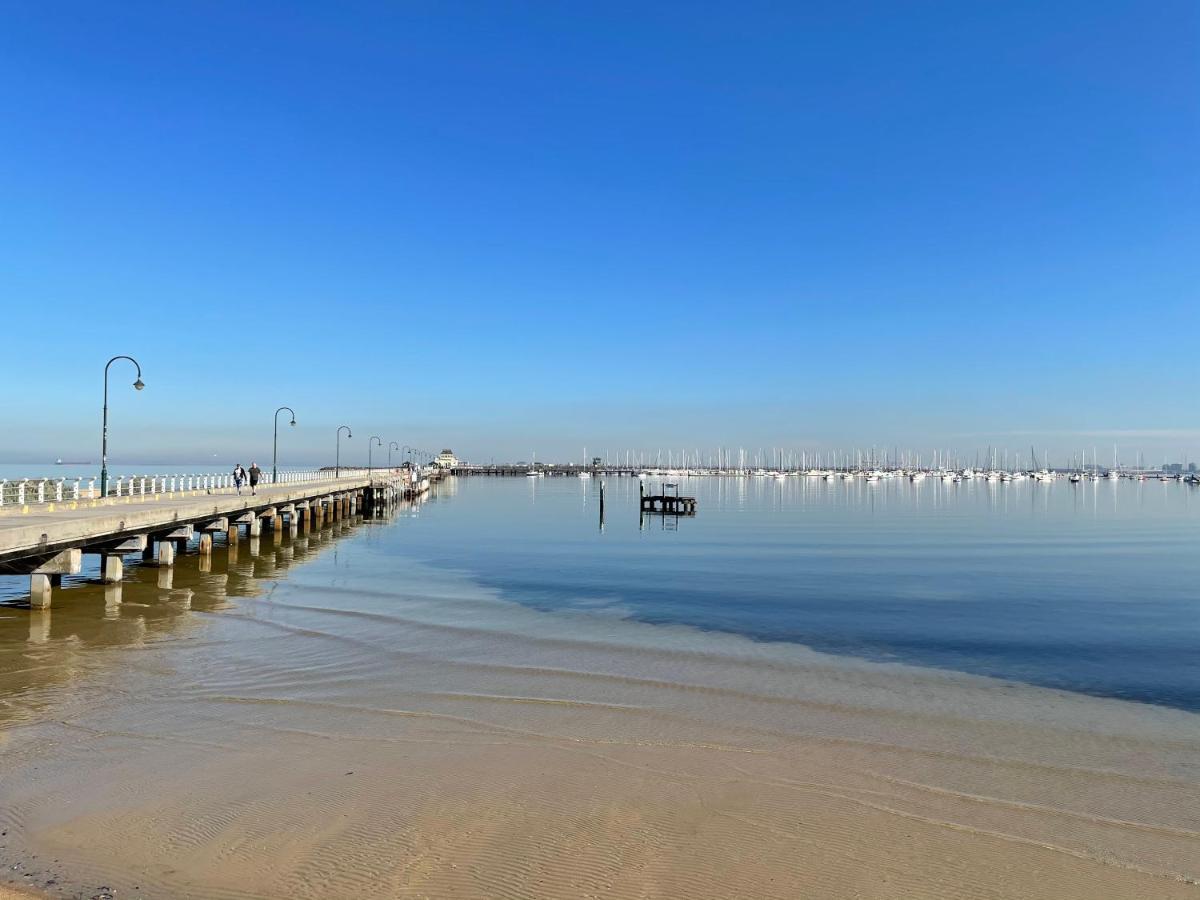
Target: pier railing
23,492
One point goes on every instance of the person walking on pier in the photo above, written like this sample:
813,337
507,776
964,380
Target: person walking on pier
255,475
239,475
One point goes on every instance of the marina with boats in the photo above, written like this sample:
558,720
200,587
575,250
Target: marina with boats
992,467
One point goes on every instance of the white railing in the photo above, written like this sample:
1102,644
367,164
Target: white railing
30,491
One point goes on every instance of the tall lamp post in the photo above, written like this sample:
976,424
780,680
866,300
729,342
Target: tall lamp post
275,445
391,444
138,385
369,446
337,460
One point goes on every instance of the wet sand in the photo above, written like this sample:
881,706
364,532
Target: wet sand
331,729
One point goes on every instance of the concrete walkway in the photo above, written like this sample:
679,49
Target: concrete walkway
73,524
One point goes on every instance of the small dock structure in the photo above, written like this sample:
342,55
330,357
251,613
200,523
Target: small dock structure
667,504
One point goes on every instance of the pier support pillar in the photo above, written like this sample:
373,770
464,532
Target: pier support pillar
39,591
255,526
112,569
233,534
48,576
206,544
148,550
166,553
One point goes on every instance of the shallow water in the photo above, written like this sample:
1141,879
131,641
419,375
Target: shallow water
488,694
1092,588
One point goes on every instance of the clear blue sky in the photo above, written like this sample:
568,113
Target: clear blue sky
540,226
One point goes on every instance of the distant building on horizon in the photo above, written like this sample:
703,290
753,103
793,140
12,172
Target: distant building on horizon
446,460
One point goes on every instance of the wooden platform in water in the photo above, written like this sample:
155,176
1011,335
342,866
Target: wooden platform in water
668,504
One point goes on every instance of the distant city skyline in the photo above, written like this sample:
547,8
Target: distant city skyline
509,230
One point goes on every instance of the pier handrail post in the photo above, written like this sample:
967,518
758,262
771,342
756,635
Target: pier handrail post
275,443
138,385
337,459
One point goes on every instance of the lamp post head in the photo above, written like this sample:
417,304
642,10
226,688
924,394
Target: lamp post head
292,423
139,384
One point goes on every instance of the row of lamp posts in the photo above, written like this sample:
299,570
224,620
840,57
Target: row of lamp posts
337,469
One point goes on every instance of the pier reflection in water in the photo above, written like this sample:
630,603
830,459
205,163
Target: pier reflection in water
43,651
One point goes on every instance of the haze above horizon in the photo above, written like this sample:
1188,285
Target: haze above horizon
545,227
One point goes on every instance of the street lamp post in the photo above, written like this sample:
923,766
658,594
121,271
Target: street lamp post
275,444
337,460
369,446
391,444
138,385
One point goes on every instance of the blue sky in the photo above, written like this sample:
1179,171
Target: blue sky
517,227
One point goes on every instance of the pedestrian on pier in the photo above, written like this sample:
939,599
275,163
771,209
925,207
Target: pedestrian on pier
239,476
255,475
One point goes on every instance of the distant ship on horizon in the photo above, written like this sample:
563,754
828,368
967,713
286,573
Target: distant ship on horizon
72,462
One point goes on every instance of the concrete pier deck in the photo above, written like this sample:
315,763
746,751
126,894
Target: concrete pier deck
47,543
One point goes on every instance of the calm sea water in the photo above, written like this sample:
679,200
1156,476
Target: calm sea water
1092,588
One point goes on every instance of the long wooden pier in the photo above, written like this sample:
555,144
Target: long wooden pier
47,542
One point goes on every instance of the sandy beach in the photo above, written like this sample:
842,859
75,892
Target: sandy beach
237,737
